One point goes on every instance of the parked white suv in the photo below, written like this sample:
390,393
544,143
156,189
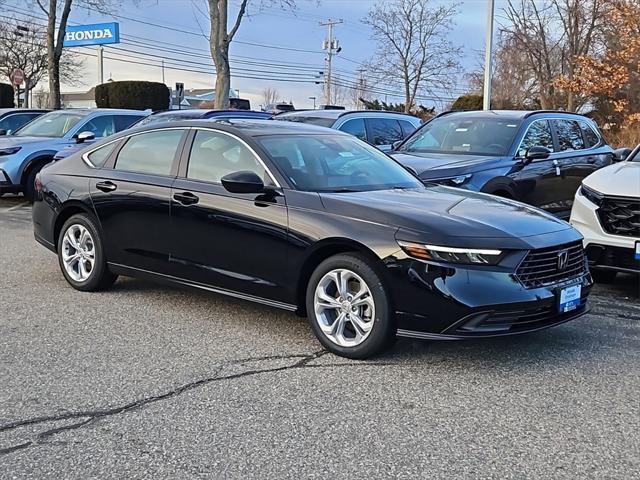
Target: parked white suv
606,211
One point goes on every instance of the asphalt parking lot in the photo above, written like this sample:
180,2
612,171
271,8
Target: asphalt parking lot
148,381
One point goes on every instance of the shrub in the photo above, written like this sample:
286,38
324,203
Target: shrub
468,102
6,96
136,95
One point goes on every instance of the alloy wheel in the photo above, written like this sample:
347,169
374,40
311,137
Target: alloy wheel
344,307
78,252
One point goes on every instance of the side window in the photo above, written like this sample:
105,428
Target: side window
407,128
99,157
384,131
355,127
122,122
13,122
538,135
569,135
214,155
150,153
591,138
100,126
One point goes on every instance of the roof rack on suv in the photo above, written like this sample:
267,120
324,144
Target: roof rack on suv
372,111
535,112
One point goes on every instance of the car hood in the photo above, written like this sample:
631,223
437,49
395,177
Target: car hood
438,165
449,214
11,141
620,179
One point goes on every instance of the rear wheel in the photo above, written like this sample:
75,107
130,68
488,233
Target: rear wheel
604,276
349,308
81,255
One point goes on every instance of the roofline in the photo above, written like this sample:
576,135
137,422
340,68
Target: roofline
535,112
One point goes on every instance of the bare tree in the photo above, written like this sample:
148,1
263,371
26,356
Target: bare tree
413,52
26,48
220,37
550,35
269,95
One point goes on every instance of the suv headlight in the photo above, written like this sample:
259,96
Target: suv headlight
593,196
9,150
450,181
477,256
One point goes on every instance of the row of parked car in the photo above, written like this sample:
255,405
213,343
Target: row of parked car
541,158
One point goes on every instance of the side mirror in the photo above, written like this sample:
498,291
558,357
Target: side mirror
3,132
396,144
243,182
84,137
537,153
621,154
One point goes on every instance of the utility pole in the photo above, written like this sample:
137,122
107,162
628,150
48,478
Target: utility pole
362,88
488,50
331,46
101,64
163,71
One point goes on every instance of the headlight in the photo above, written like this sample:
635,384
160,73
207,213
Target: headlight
450,181
592,195
9,150
451,254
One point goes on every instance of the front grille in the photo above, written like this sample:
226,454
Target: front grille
620,216
541,268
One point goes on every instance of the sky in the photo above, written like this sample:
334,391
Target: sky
280,44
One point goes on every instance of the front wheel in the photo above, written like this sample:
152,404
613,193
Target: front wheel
81,255
349,308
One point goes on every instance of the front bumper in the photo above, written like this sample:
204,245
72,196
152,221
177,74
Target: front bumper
6,185
440,302
604,251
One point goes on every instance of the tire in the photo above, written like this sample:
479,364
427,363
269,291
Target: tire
375,330
73,244
604,276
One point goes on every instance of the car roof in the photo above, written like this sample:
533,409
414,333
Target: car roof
250,127
207,112
505,114
339,113
4,111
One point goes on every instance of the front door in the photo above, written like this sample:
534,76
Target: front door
132,199
538,181
236,242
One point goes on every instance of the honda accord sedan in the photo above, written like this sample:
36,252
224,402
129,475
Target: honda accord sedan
310,220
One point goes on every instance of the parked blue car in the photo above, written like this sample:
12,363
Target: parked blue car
177,115
11,119
23,154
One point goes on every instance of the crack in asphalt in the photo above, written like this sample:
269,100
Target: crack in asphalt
90,416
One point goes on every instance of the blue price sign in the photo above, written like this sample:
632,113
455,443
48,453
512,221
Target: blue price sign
96,34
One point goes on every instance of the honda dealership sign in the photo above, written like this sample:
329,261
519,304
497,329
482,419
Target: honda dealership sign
97,34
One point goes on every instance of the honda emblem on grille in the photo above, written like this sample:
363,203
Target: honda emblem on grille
563,260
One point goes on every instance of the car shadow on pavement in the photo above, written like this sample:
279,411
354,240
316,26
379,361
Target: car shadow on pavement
580,341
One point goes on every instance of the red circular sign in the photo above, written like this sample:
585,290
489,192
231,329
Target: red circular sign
17,77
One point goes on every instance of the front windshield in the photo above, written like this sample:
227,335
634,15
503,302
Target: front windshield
53,124
335,163
320,121
457,134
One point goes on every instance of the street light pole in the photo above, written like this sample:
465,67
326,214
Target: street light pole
488,50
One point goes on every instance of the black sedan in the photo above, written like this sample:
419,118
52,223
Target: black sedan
311,220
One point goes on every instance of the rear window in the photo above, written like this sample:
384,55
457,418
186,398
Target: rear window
569,135
384,131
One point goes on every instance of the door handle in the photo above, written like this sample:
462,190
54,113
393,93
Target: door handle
186,198
106,186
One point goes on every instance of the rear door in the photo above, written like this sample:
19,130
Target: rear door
131,196
576,160
232,241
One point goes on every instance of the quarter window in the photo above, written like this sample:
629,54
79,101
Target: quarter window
591,138
355,127
384,131
214,155
152,153
538,135
99,157
569,135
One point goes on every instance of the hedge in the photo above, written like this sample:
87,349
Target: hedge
7,96
136,95
468,102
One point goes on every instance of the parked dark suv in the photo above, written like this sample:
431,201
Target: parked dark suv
537,157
